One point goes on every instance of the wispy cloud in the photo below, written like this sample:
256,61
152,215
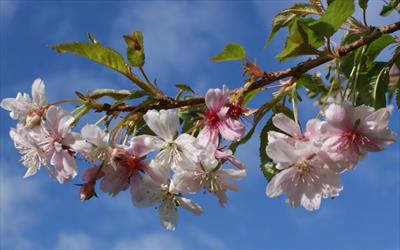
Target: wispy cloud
17,197
74,241
150,241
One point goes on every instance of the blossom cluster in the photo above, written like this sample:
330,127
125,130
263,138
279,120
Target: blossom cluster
160,169
310,163
164,166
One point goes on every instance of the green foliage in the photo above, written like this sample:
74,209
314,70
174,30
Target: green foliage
334,17
301,40
376,47
95,52
135,50
380,84
250,95
372,85
287,15
232,51
389,7
312,83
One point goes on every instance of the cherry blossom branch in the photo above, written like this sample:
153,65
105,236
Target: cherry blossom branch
269,77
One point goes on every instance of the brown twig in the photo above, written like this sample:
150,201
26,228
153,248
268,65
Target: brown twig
270,77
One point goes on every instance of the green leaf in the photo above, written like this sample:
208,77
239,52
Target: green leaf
363,4
287,15
250,95
380,85
389,7
232,51
312,83
135,50
184,87
95,52
301,40
266,165
378,45
371,87
335,15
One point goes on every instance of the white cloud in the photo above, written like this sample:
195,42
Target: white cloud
151,241
206,240
74,241
17,196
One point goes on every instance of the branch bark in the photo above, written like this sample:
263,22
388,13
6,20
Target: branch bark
270,77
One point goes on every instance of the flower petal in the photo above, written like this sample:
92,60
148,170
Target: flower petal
190,205
286,124
164,123
38,93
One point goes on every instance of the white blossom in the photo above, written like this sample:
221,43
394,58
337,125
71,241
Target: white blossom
26,109
179,152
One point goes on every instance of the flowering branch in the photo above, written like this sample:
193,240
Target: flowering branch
165,149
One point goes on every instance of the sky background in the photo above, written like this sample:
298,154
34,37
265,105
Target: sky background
39,213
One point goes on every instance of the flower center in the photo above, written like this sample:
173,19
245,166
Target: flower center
235,111
212,119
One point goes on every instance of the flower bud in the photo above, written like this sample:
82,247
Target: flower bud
87,191
33,119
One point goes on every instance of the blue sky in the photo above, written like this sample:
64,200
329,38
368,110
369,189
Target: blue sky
38,213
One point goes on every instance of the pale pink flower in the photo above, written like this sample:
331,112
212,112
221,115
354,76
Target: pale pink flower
307,174
210,175
222,117
149,191
351,132
26,109
32,156
57,141
176,151
127,164
95,143
292,131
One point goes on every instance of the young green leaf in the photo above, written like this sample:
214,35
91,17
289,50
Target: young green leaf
284,18
389,7
232,51
375,48
95,52
334,17
135,50
301,40
380,85
312,83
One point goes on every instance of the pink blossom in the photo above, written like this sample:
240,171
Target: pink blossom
57,141
127,165
149,191
210,175
26,109
292,131
222,117
351,132
307,174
